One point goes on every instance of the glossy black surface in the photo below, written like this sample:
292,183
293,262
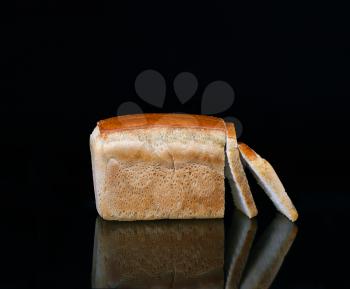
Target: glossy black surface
64,66
56,247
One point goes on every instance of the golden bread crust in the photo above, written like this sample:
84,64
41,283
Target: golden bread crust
147,120
248,152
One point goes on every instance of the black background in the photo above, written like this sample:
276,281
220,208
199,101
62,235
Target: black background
66,66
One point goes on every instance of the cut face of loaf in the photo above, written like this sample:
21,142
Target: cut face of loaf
159,254
159,166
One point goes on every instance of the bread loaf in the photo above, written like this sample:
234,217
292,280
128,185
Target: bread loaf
171,166
159,166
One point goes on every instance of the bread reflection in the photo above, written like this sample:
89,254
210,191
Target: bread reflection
159,254
268,253
239,233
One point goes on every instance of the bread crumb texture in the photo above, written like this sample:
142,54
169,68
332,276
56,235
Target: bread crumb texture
159,173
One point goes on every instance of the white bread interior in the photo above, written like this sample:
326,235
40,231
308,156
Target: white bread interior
268,254
240,189
159,172
269,181
240,237
159,254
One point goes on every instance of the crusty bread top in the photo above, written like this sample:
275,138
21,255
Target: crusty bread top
231,132
248,152
136,121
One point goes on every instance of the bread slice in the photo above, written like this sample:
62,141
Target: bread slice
268,254
269,181
159,166
159,254
239,239
240,190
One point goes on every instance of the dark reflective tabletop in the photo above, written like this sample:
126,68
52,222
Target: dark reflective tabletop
189,253
77,249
